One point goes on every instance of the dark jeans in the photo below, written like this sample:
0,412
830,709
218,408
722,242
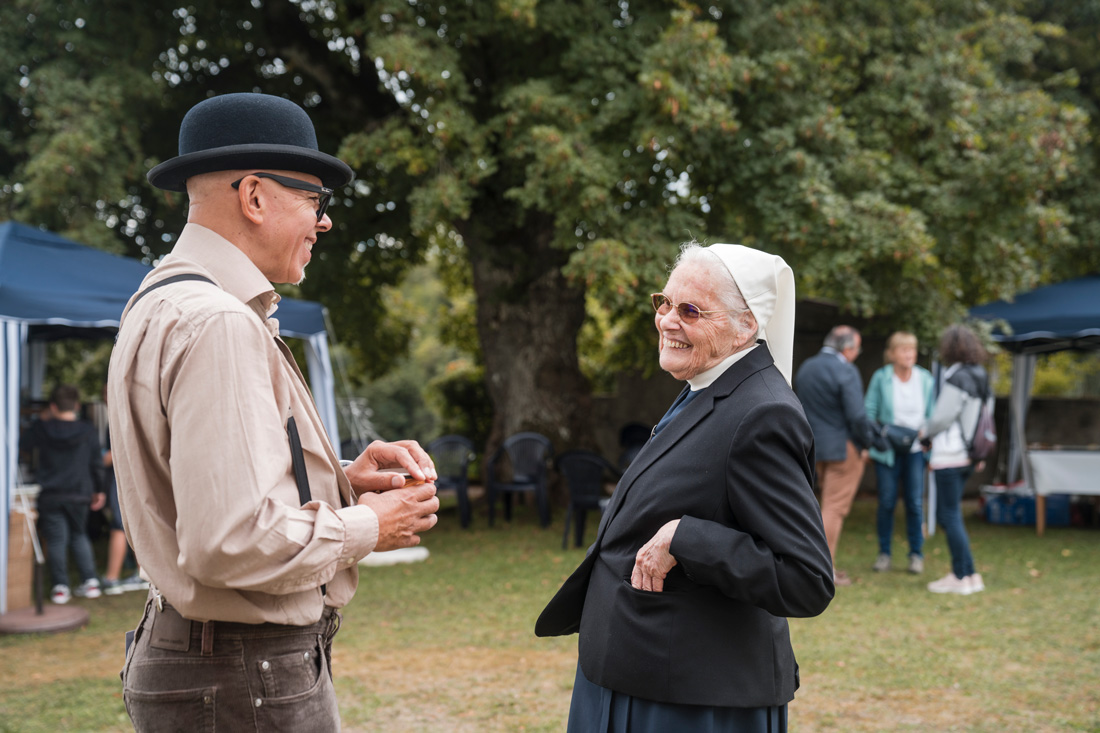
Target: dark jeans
949,489
64,527
908,471
244,677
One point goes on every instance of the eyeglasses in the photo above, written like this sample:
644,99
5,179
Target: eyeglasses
686,311
324,194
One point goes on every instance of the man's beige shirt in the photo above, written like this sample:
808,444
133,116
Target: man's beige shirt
199,392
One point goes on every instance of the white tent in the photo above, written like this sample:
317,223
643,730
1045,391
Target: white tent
53,288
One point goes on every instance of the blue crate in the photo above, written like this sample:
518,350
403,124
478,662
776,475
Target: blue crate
1019,509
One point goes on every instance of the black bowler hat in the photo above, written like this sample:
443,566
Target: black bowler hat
240,131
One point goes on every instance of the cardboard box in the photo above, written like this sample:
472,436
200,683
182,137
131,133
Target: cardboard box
20,562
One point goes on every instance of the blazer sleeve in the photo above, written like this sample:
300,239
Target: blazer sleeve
772,554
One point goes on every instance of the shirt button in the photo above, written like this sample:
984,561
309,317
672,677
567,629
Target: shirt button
207,699
259,702
307,656
265,665
349,560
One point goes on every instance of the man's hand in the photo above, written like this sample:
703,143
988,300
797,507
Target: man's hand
653,561
365,471
402,514
99,500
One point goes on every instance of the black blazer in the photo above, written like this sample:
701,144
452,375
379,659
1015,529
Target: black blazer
736,467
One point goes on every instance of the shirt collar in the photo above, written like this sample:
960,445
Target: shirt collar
704,379
834,352
231,268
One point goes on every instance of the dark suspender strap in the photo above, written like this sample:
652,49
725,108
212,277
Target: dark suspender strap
169,281
298,460
296,456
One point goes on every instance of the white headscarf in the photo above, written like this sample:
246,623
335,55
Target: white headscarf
767,284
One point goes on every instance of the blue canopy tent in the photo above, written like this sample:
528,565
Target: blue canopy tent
1053,318
53,288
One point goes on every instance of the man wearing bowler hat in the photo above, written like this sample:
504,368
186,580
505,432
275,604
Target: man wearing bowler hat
242,518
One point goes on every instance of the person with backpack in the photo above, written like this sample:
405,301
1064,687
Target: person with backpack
963,391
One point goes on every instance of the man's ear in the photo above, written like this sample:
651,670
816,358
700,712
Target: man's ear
252,200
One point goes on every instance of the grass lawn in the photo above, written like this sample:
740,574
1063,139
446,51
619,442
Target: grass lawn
446,645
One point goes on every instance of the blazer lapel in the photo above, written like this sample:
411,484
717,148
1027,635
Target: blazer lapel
692,415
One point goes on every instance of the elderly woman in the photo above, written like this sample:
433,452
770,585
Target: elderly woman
900,393
713,535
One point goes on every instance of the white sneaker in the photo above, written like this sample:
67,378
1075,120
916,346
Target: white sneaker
976,584
882,563
951,584
88,589
60,594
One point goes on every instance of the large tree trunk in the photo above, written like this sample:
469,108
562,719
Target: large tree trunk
528,317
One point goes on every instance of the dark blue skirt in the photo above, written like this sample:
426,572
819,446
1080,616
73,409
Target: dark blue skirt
597,709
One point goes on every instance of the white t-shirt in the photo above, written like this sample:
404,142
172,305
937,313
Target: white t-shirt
908,404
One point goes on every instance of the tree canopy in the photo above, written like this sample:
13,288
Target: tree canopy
908,159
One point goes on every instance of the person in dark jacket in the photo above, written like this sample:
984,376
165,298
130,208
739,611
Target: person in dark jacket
831,391
713,536
68,466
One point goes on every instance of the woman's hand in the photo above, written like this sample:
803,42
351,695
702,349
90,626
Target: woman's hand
653,561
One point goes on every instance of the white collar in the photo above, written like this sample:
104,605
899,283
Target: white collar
702,380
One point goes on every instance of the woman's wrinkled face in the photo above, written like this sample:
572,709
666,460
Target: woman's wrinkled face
688,348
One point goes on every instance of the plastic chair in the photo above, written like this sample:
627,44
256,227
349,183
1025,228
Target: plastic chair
631,439
452,455
528,454
585,473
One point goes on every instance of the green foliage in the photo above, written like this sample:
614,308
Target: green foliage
909,159
458,395
420,397
1062,374
92,97
80,362
897,154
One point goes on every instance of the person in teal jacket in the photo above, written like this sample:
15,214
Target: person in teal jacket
900,393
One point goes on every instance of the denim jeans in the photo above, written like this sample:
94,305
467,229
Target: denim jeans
908,471
64,527
949,489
